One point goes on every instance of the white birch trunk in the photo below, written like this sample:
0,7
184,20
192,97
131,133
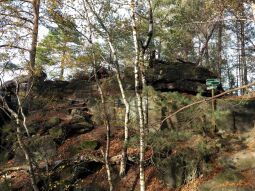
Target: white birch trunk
120,83
127,111
22,145
138,96
108,128
145,98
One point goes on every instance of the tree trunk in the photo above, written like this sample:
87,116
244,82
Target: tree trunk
238,66
144,46
138,96
22,145
219,48
36,12
120,83
243,54
107,125
206,53
105,115
145,98
204,49
62,66
28,159
127,110
243,65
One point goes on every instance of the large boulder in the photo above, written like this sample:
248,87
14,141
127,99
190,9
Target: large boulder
68,172
178,76
162,75
77,128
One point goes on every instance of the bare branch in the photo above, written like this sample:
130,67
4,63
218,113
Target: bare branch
27,1
98,18
208,38
13,46
17,17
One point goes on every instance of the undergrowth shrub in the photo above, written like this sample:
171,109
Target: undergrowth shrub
8,137
5,185
180,155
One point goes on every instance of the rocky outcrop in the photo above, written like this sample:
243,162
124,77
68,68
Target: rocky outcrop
72,89
178,76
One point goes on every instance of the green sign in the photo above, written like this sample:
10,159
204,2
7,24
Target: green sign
211,87
212,82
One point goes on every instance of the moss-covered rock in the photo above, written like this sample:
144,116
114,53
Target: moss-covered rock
69,172
77,118
43,147
77,128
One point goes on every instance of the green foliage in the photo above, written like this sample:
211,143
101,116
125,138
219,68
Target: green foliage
228,175
58,47
133,140
89,144
5,185
172,99
8,137
51,122
40,148
84,145
180,156
56,132
166,139
73,150
220,115
40,102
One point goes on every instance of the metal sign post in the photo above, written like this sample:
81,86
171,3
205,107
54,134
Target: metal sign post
212,85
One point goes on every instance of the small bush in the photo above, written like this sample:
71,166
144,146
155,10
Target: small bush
51,122
84,145
5,185
89,145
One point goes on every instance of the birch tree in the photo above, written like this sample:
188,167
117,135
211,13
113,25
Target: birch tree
20,120
143,46
106,120
102,97
133,7
115,62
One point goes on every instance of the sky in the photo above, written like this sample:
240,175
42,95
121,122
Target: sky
8,75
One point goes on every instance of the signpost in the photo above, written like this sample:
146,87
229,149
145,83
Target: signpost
212,85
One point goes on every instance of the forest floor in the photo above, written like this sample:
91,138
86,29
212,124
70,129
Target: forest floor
233,169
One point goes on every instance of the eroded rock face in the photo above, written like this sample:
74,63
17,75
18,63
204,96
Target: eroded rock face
178,76
163,76
67,172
